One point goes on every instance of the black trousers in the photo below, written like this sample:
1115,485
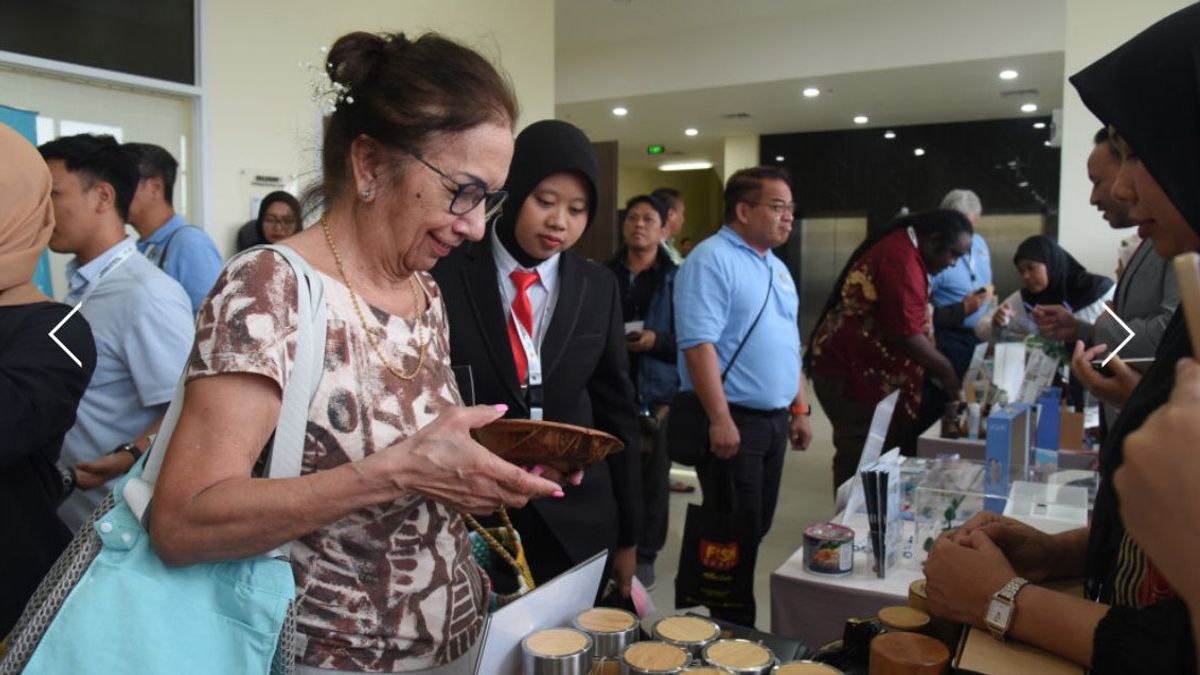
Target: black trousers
656,480
755,471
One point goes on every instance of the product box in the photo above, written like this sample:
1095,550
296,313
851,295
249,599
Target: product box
1006,452
947,496
1046,441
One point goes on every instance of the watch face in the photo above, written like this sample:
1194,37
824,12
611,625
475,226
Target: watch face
998,614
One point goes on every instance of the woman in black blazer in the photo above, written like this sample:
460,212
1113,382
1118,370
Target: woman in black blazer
576,330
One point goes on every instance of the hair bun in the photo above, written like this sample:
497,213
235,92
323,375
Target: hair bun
354,57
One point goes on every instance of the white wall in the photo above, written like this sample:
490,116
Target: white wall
741,152
855,37
1093,28
258,116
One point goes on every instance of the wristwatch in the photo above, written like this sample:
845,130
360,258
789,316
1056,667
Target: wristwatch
67,474
797,409
1003,608
130,448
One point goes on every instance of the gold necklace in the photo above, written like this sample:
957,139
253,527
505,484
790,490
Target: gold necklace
412,284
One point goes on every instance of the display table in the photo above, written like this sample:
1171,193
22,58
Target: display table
930,444
813,608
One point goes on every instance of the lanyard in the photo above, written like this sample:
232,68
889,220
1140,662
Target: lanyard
104,271
533,365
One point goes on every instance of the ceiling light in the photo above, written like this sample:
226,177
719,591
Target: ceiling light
1046,143
685,166
620,112
889,134
812,92
778,158
1028,107
690,131
1008,74
1039,125
919,152
861,119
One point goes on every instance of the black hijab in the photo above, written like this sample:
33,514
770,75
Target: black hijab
1069,283
544,148
1149,90
277,196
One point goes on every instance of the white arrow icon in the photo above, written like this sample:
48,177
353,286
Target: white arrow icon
59,342
1123,342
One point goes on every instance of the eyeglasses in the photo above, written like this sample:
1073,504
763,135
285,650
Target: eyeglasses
778,208
468,195
272,221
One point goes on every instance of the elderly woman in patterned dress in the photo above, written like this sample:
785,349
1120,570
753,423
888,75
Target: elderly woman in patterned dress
413,158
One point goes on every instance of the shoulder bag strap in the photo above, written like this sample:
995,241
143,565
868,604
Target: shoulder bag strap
746,338
287,448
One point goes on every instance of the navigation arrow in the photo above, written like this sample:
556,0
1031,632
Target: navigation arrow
59,342
1123,342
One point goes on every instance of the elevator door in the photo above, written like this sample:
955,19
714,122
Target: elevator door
825,244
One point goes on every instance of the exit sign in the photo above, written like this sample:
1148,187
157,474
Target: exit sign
655,149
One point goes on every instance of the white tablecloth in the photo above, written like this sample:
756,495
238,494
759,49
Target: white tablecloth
814,607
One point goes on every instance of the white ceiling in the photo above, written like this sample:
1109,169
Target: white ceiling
949,92
939,81
588,23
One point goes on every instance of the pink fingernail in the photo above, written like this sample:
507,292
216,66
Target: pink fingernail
577,479
559,493
501,407
538,470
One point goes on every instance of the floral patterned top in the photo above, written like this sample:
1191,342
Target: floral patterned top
885,295
392,587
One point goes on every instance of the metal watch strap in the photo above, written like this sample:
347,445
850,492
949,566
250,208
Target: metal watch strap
1007,594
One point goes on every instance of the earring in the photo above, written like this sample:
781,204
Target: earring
365,195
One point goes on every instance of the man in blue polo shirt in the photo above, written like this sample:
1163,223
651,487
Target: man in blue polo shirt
183,251
719,292
141,318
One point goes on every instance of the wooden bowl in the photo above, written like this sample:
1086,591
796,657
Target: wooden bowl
565,447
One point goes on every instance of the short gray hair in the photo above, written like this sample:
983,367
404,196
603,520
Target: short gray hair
965,202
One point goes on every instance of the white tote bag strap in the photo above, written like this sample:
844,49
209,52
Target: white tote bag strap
287,448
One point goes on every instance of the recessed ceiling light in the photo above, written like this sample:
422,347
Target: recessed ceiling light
1008,74
690,131
778,158
1046,143
620,112
861,119
1028,107
1039,125
889,134
812,92
685,166
919,151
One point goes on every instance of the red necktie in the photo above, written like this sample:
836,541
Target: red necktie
524,312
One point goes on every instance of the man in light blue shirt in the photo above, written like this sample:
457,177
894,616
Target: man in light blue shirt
183,251
761,404
141,318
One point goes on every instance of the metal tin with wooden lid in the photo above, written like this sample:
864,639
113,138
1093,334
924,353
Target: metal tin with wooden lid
707,670
654,658
806,668
557,651
742,657
904,619
693,633
612,630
